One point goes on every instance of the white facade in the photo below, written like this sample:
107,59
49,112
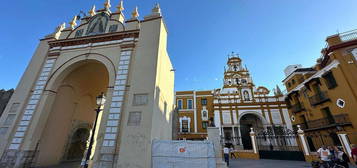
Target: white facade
127,60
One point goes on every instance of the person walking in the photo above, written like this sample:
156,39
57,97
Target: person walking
354,153
324,155
342,158
226,154
232,154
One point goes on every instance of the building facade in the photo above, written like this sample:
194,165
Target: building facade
50,117
322,99
5,96
235,108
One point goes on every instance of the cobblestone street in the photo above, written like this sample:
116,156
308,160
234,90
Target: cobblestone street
263,163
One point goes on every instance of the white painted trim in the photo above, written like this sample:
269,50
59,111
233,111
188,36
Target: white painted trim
195,110
318,74
302,139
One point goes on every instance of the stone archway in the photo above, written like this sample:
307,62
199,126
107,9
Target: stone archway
77,145
73,104
247,121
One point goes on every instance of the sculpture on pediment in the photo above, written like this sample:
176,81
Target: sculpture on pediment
98,24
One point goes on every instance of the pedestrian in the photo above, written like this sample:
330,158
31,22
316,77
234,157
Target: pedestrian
324,155
333,153
226,154
231,151
342,158
354,153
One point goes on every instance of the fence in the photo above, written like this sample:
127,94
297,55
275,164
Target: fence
174,154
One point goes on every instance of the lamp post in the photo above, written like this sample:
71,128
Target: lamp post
100,100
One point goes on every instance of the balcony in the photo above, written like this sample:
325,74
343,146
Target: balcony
318,98
296,107
327,122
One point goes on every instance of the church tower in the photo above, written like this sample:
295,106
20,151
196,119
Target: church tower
237,79
50,118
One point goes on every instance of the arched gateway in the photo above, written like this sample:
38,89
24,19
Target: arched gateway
50,118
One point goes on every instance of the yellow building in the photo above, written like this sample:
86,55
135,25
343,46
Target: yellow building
323,98
235,108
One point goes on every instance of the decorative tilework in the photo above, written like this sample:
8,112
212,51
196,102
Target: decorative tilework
32,104
117,100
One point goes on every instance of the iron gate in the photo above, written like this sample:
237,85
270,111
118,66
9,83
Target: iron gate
279,143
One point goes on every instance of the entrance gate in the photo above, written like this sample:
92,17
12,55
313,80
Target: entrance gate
279,143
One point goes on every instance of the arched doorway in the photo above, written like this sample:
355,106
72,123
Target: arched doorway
77,145
72,106
248,121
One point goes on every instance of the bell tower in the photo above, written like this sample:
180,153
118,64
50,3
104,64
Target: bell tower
237,78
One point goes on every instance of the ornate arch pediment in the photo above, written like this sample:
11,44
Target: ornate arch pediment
98,24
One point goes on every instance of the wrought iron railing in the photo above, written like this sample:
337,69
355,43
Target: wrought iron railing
297,107
342,119
325,122
348,36
318,98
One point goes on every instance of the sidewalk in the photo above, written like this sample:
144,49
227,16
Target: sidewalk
265,163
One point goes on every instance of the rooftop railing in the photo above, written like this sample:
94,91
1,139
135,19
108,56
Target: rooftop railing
348,36
340,119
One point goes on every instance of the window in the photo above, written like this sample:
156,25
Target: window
289,85
311,143
304,121
204,114
189,104
140,99
134,118
340,103
327,114
330,80
113,28
185,126
204,102
204,124
79,33
293,81
179,104
226,117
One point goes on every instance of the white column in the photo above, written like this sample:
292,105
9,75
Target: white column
303,141
240,136
345,144
234,135
254,142
189,124
180,124
195,110
217,121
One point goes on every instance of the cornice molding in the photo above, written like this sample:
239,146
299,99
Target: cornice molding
94,39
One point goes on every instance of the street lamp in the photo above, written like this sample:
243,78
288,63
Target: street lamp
100,100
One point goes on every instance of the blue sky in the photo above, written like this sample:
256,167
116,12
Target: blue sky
268,34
